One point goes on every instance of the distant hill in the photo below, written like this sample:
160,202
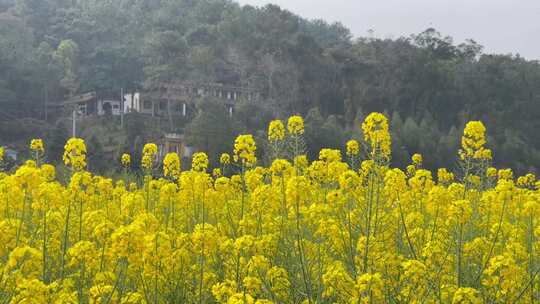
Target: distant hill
427,83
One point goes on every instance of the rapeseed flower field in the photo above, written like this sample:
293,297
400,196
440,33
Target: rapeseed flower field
341,229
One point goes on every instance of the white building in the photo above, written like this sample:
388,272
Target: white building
132,102
90,103
108,107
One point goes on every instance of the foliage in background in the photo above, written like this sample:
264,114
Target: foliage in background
427,83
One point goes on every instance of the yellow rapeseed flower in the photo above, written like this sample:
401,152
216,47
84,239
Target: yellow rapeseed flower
417,159
75,154
353,148
199,162
293,231
330,155
125,160
276,131
295,125
36,145
473,141
377,135
225,159
467,295
244,150
171,165
149,156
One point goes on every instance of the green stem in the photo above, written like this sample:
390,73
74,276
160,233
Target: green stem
80,218
406,230
459,255
201,282
21,223
368,222
65,243
299,238
45,279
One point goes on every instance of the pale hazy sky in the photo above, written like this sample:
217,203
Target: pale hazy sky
501,26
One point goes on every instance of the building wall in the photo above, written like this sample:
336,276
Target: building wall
181,96
132,102
103,106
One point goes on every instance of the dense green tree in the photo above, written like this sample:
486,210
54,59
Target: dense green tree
322,133
212,130
55,140
67,56
430,84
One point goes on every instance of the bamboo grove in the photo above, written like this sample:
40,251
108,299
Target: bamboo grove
340,229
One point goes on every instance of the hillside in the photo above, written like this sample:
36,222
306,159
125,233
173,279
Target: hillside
428,84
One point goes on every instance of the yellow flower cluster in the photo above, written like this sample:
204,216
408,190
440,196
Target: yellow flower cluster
473,141
467,295
199,162
244,150
417,159
290,143
225,159
171,165
377,135
149,156
75,154
125,160
353,148
294,232
330,155
295,125
276,131
2,153
36,145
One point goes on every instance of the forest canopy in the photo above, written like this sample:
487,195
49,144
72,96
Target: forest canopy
428,84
